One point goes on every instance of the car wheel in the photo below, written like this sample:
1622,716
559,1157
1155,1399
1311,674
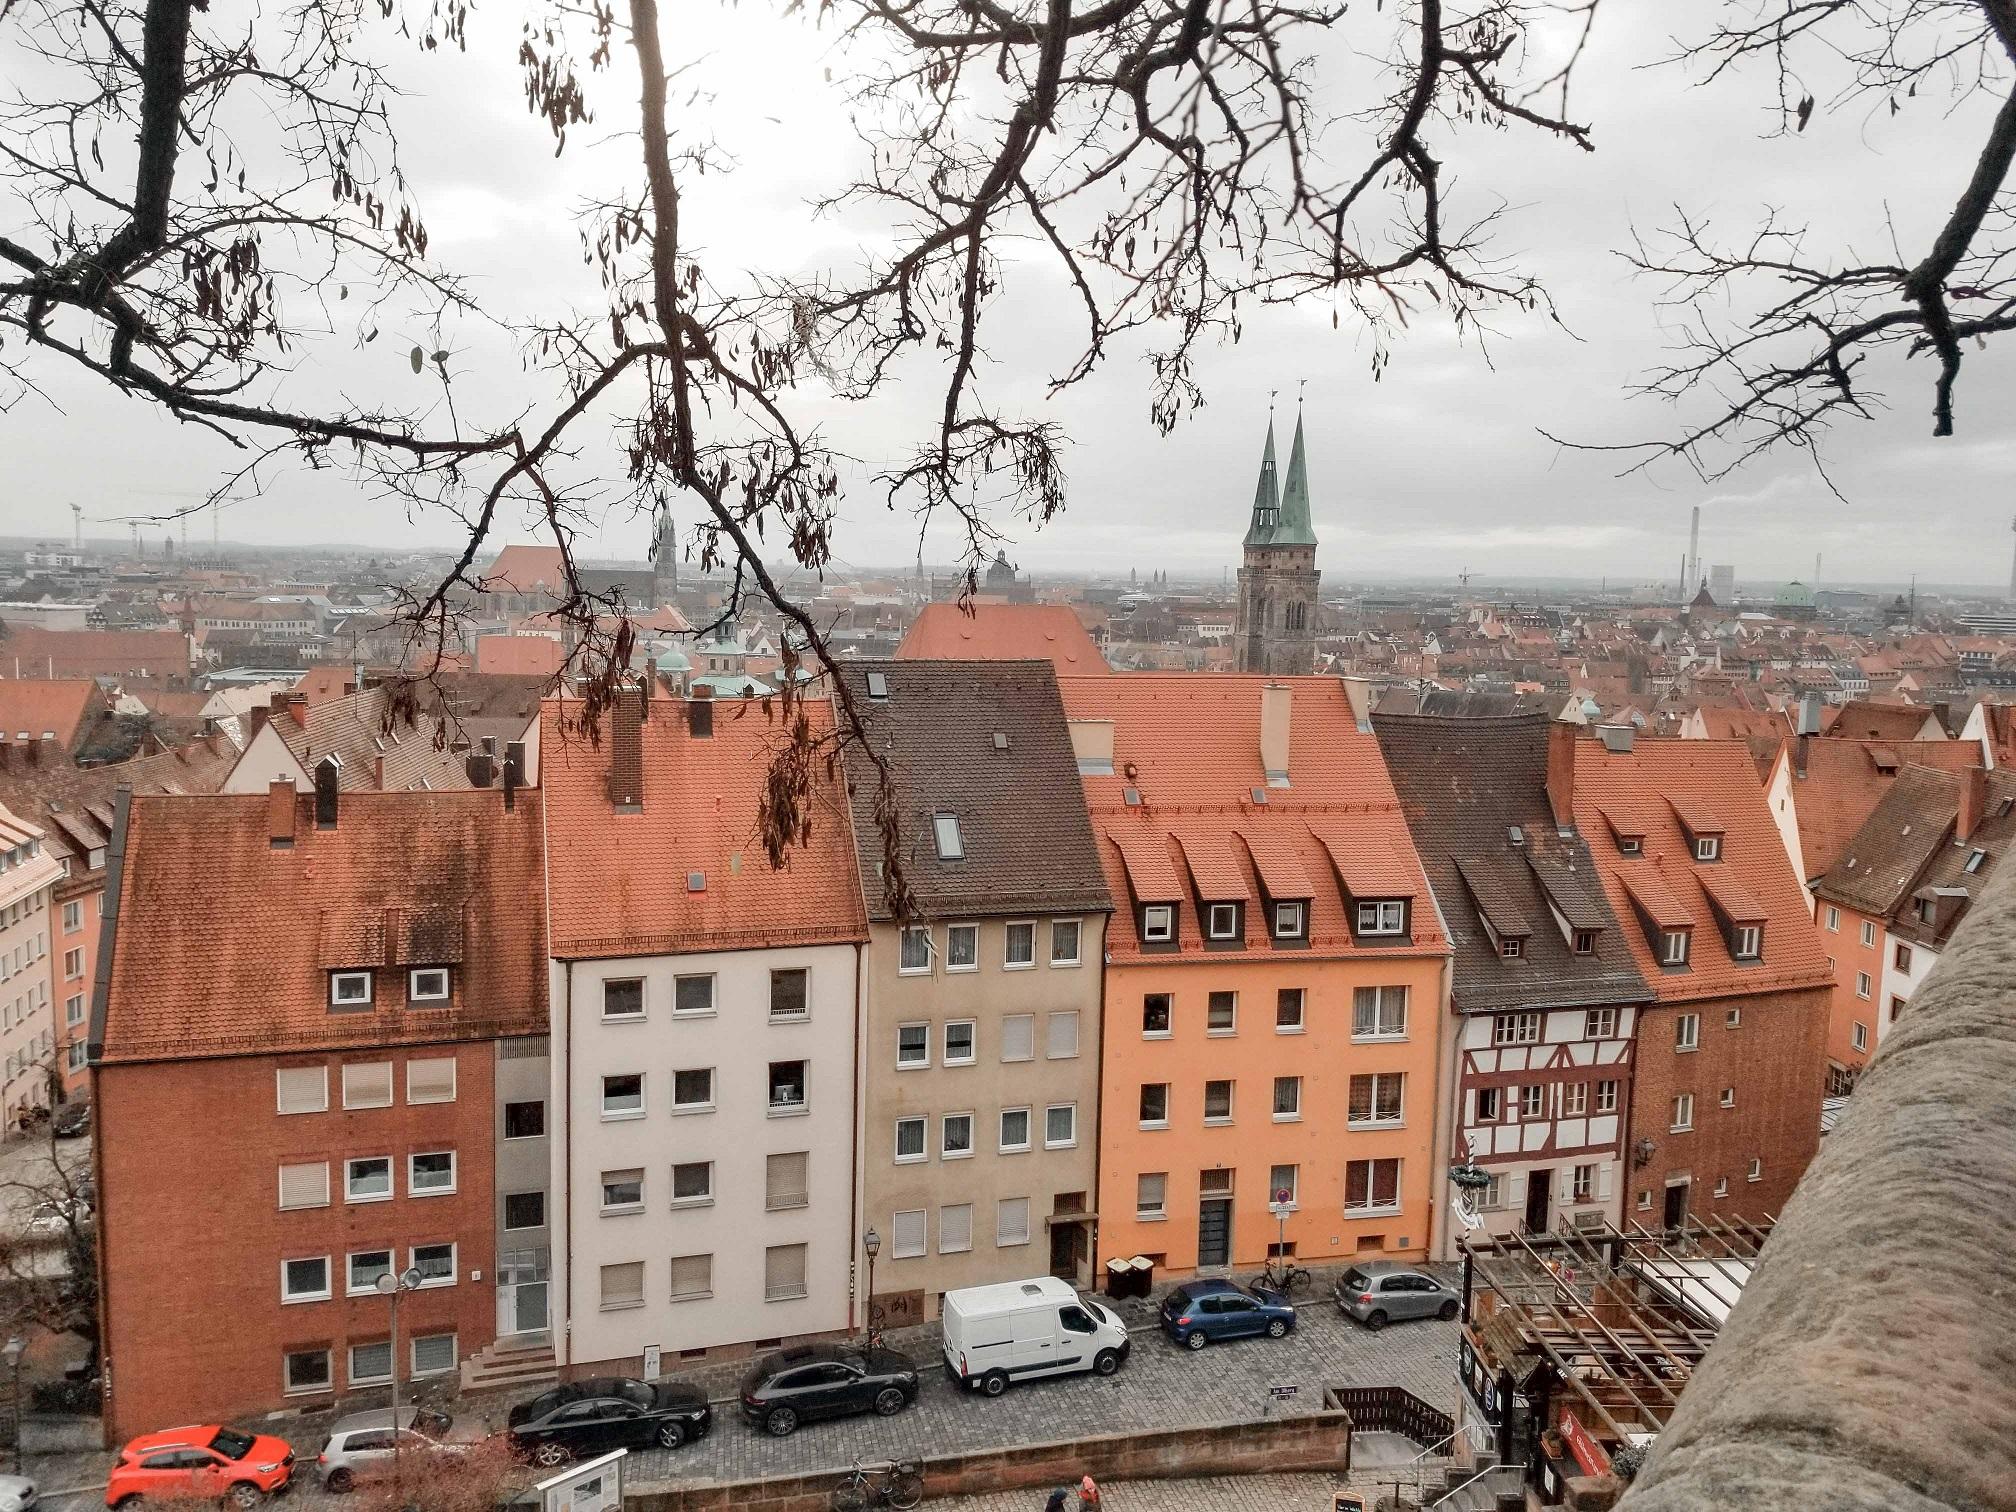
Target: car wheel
244,1496
1106,1361
782,1422
1277,1328
1196,1341
549,1455
1448,1311
889,1401
339,1481
1375,1320
671,1435
994,1382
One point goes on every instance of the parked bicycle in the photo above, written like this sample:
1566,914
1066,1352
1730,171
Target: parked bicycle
899,1483
1284,1277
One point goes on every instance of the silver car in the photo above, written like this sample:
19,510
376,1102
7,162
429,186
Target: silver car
17,1493
1378,1292
359,1447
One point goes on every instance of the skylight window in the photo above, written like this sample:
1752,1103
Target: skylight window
878,685
951,844
1974,860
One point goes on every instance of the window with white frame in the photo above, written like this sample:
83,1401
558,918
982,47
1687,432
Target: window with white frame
1532,1100
430,1173
1674,945
622,1285
1606,1097
1749,942
692,1183
1061,1035
1687,1032
622,998
1221,921
367,1084
1158,923
1154,1105
945,831
1019,945
955,1228
434,1354
1516,1029
916,950
1379,1013
305,1280
1721,1186
910,1139
73,1008
1376,1099
1382,916
790,994
1151,1195
783,1272
955,1136
693,996
1221,1013
1728,1097
1733,1018
1011,1222
789,1093
1158,1015
1284,1185
304,1184
427,984
1490,1104
73,917
1287,1098
1582,1186
692,1277
693,1089
1218,1102
1574,1099
1288,1010
1859,1036
304,1371
1833,918
959,1042
623,1191
435,1262
1599,1023
1018,1037
431,1080
1372,1186
1014,1130
962,947
908,1234
1060,1126
1869,933
913,1046
302,1089
1863,985
1683,1113
1291,920
1707,847
347,989
1065,941
623,1096
1584,942
367,1178
364,1269
1756,1171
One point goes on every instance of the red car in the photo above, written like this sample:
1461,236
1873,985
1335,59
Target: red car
201,1464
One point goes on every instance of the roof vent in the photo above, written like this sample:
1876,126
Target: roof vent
878,685
1516,835
1132,797
696,881
1000,740
1616,738
1259,795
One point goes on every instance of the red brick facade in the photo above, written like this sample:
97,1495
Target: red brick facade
1771,1060
193,1239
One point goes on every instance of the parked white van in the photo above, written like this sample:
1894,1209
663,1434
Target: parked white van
1024,1330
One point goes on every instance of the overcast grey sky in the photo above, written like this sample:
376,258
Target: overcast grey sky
1437,468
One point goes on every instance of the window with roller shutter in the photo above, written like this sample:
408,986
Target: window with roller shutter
305,1185
955,1228
906,1234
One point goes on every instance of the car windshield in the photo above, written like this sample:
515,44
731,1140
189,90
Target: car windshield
232,1444
637,1393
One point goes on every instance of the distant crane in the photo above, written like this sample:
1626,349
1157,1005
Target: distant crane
1464,576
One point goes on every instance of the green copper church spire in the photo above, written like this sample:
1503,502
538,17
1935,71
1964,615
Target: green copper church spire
1293,527
1266,501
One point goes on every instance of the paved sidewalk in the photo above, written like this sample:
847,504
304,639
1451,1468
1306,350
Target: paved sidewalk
1224,1493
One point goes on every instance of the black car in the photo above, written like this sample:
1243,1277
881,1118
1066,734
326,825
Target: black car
826,1380
586,1418
73,1119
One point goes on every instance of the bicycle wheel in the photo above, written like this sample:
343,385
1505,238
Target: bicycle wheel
851,1495
1297,1281
905,1489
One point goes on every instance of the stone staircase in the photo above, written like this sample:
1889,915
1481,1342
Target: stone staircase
513,1367
1462,1488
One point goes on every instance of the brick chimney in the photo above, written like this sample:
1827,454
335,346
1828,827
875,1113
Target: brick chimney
514,772
626,753
297,708
280,809
1973,802
1561,773
1277,702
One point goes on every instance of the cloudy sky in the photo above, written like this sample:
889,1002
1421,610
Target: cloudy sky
1437,468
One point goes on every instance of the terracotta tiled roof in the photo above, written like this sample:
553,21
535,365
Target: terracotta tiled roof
1696,815
525,569
32,707
1214,870
1867,720
1465,784
30,651
1003,632
222,945
1495,889
1279,865
1881,861
1667,884
621,882
354,730
1190,745
519,655
1731,898
1954,867
1844,780
75,803
324,683
986,743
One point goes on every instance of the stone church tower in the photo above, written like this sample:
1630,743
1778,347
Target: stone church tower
1276,631
664,556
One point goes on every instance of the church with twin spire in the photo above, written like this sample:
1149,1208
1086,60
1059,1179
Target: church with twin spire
1276,626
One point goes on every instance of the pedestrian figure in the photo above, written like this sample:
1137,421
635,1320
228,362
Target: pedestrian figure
1057,1500
1088,1495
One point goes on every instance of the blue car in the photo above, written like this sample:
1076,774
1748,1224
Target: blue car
1197,1312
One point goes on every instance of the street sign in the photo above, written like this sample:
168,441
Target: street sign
1282,1393
593,1486
654,1361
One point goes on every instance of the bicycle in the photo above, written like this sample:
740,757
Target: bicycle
901,1485
1288,1279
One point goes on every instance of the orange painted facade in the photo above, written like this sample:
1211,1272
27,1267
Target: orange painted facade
1853,963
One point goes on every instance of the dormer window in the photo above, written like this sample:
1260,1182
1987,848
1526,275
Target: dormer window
951,844
1291,920
349,989
1707,847
1747,942
1511,947
1585,942
427,984
1384,916
1222,921
1928,911
1158,923
1674,945
1630,845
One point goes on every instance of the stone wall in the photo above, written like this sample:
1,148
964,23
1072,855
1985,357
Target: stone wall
1320,1441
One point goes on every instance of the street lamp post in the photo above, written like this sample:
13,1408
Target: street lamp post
13,1350
393,1286
871,1246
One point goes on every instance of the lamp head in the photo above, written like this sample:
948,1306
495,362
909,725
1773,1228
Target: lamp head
871,1242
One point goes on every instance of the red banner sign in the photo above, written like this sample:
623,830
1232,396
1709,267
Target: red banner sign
1587,1452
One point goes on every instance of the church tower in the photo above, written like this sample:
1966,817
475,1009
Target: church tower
1276,631
664,556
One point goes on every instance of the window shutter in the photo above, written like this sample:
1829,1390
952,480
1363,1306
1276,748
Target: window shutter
304,1185
367,1084
784,1271
692,1275
430,1081
1603,1181
623,1285
907,1237
1515,1189
1018,1037
302,1089
955,1228
1063,1036
1011,1225
433,1354
785,1181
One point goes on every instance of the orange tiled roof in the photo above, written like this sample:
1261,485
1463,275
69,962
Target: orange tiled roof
619,883
1844,780
519,655
1719,777
1003,632
32,707
525,569
1214,870
221,947
1190,744
31,651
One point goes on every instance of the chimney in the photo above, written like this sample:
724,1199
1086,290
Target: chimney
1973,802
1561,773
297,708
481,767
700,714
326,775
1616,738
6,755
1276,703
1358,691
1092,744
626,754
280,813
1807,721
378,772
259,718
514,772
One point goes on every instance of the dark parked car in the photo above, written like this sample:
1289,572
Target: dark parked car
1379,1292
73,1119
826,1380
1199,1312
586,1418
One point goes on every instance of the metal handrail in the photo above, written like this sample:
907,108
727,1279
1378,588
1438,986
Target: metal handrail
1454,1489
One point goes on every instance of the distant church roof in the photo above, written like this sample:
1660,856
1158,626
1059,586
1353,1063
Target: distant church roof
1266,499
1794,594
1281,518
1704,599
